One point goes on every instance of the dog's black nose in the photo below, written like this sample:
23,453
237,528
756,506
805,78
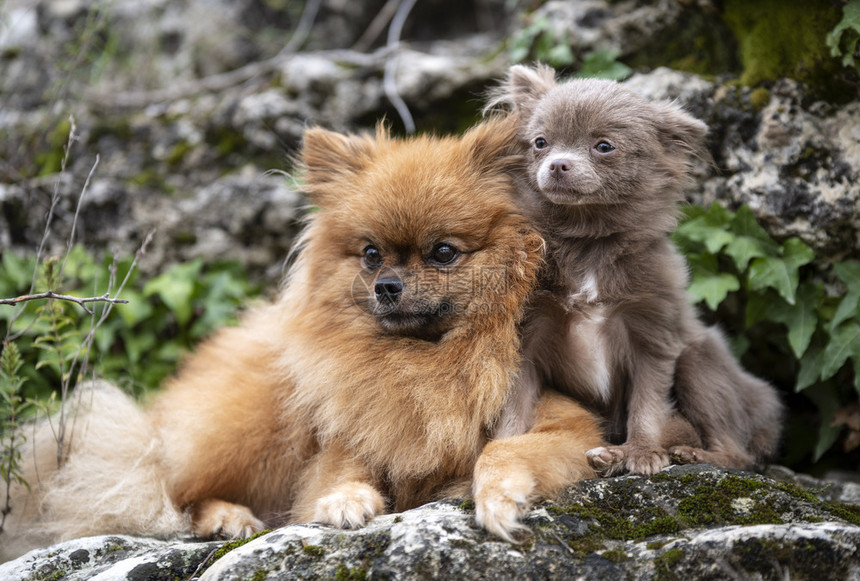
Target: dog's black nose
559,166
388,290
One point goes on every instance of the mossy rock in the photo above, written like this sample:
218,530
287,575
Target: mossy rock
787,38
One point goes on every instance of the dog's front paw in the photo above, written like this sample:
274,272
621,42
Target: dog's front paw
607,460
501,502
686,455
646,460
349,505
217,518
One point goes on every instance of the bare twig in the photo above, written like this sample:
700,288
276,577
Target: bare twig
105,298
300,34
222,81
389,83
377,25
71,241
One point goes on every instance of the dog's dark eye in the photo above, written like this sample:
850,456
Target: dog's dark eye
372,256
604,147
541,143
444,254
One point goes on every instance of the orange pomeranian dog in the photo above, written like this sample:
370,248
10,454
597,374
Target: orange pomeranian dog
370,385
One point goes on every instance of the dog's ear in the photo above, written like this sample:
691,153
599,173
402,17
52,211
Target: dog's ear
522,88
492,144
678,130
328,156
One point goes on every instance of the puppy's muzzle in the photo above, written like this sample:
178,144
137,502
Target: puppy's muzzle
388,290
559,167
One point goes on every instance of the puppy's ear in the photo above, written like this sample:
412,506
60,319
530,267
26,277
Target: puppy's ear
522,88
492,144
678,130
328,156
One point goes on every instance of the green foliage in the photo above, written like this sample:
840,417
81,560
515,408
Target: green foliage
769,294
540,41
13,407
789,38
843,39
601,64
141,342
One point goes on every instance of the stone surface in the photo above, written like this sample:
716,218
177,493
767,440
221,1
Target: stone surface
687,522
795,161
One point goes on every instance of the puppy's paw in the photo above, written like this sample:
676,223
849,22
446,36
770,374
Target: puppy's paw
607,460
349,505
217,518
501,503
646,460
686,455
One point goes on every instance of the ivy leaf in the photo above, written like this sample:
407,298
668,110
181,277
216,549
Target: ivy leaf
827,402
707,283
849,273
849,28
844,343
801,318
810,368
176,288
710,228
781,273
750,240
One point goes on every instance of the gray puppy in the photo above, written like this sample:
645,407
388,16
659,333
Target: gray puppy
613,326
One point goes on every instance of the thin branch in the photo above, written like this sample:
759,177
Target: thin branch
71,241
223,81
105,298
389,83
303,28
55,198
376,26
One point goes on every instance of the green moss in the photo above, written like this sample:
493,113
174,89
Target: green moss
259,575
759,98
697,42
671,557
344,573
655,545
665,564
616,555
660,477
177,153
624,523
713,503
313,550
232,545
585,546
848,512
467,505
786,38
50,160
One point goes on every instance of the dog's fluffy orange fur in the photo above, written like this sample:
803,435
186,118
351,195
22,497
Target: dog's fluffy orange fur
373,382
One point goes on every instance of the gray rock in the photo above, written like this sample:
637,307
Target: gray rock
110,557
795,161
689,522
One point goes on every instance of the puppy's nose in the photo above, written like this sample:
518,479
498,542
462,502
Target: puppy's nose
388,290
557,167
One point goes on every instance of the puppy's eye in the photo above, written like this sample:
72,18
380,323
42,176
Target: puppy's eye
541,143
604,147
372,256
444,254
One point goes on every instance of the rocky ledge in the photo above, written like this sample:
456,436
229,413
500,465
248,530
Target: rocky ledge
689,522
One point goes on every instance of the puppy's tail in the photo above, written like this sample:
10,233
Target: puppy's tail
111,479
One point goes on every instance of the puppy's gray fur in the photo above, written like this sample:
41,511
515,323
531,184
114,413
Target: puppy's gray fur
614,327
